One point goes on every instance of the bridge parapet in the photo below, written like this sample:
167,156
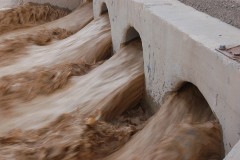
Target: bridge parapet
179,46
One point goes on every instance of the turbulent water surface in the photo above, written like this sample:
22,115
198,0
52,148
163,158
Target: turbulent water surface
63,95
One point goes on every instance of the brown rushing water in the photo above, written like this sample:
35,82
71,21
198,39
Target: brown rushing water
71,100
14,45
28,15
183,129
12,49
65,22
123,74
46,75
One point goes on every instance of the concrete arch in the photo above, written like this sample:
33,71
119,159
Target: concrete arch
129,34
177,49
181,84
104,8
99,7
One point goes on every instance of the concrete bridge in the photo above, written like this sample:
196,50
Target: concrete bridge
179,46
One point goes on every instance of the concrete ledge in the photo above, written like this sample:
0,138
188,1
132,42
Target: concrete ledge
179,46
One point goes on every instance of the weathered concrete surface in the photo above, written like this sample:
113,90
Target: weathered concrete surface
234,154
226,10
179,46
70,4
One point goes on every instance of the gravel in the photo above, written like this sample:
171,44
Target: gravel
226,10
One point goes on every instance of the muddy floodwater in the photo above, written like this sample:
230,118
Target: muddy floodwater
65,95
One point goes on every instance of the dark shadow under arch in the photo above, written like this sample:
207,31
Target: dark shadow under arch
194,96
104,8
131,34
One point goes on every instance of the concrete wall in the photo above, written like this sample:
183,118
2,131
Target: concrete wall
179,46
234,153
70,4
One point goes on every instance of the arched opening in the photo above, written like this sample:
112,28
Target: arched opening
132,39
188,110
104,8
104,13
131,34
190,97
183,128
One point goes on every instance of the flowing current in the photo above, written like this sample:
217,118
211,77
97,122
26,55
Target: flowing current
64,95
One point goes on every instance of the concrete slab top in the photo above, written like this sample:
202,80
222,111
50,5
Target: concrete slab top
209,31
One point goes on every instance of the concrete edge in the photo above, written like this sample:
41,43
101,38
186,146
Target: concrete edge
179,46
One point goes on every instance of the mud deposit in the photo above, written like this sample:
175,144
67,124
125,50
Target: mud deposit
63,95
28,15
